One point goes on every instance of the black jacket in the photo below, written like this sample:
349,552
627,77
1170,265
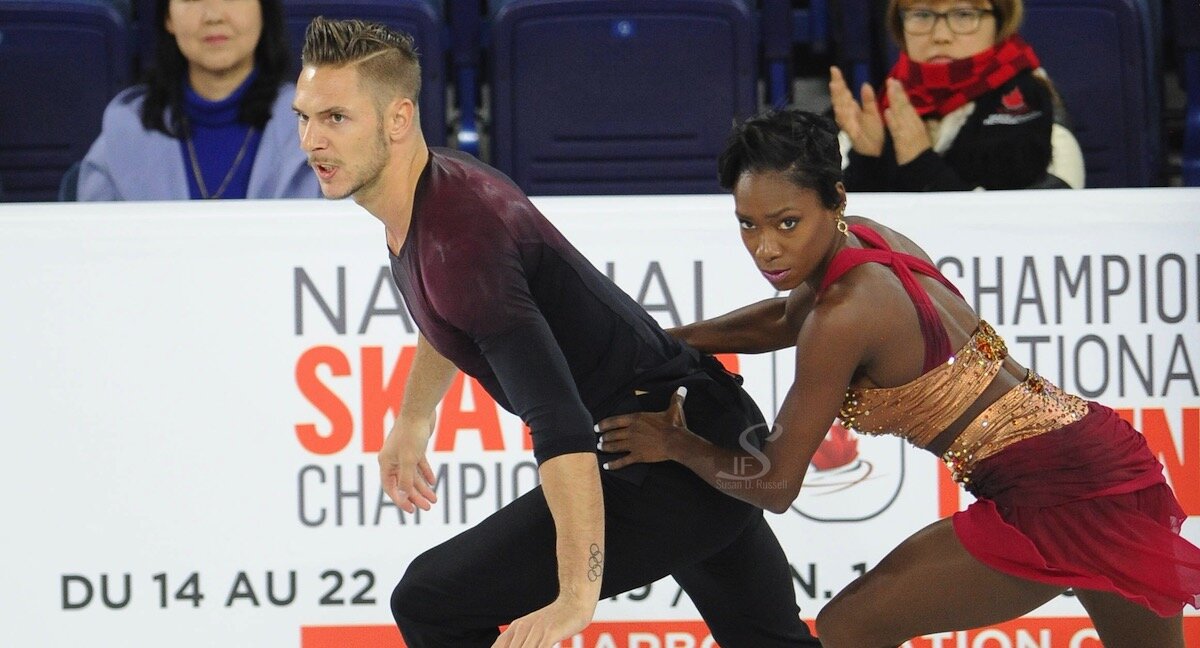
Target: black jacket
1004,144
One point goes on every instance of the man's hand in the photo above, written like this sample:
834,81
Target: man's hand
404,471
571,484
542,628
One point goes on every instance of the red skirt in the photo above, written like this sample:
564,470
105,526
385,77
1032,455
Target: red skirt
1084,506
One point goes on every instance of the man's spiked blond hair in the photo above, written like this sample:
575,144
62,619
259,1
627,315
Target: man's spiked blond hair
386,58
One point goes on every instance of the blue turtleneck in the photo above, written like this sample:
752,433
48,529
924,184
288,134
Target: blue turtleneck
217,137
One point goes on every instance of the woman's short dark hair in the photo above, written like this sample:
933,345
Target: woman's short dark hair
164,78
799,144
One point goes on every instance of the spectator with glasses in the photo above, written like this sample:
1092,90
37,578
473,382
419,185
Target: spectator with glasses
967,106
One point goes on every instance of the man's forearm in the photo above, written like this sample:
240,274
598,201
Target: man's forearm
428,380
571,484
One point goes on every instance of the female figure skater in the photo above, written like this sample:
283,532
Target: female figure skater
1069,495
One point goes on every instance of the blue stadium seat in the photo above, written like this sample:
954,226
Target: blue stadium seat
861,45
619,96
782,27
465,19
419,18
123,7
52,51
143,32
1110,85
68,188
1185,23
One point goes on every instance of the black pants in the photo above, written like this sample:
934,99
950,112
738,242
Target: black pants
720,550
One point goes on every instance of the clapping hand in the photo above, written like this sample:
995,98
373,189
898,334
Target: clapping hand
865,126
861,123
909,135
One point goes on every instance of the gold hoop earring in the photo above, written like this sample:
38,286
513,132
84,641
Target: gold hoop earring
841,223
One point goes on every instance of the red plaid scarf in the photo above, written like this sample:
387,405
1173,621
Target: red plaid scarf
939,88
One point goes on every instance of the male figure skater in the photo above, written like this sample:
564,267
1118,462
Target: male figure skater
499,293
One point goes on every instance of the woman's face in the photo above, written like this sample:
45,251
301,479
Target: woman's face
960,33
787,230
217,37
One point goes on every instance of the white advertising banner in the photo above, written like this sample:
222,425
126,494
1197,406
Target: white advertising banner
193,395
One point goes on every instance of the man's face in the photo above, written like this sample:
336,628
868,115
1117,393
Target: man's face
340,130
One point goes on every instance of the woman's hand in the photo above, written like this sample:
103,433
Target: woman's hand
647,437
861,123
909,135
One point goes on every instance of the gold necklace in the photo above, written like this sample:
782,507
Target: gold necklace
228,176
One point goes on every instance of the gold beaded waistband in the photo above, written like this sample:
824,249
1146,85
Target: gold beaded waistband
921,409
1031,408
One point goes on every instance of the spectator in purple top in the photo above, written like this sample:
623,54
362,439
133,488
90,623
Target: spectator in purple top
212,119
499,293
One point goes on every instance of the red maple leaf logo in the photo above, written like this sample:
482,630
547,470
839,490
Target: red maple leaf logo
1013,101
839,448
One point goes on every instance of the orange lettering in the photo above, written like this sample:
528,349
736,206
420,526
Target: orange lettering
1058,632
379,397
949,496
340,419
484,418
1182,469
729,360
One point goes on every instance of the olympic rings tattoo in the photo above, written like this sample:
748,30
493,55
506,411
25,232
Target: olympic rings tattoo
595,563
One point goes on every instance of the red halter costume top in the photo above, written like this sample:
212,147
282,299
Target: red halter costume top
951,381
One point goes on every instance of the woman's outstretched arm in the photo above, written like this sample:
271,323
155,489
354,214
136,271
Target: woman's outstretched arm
761,327
831,346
